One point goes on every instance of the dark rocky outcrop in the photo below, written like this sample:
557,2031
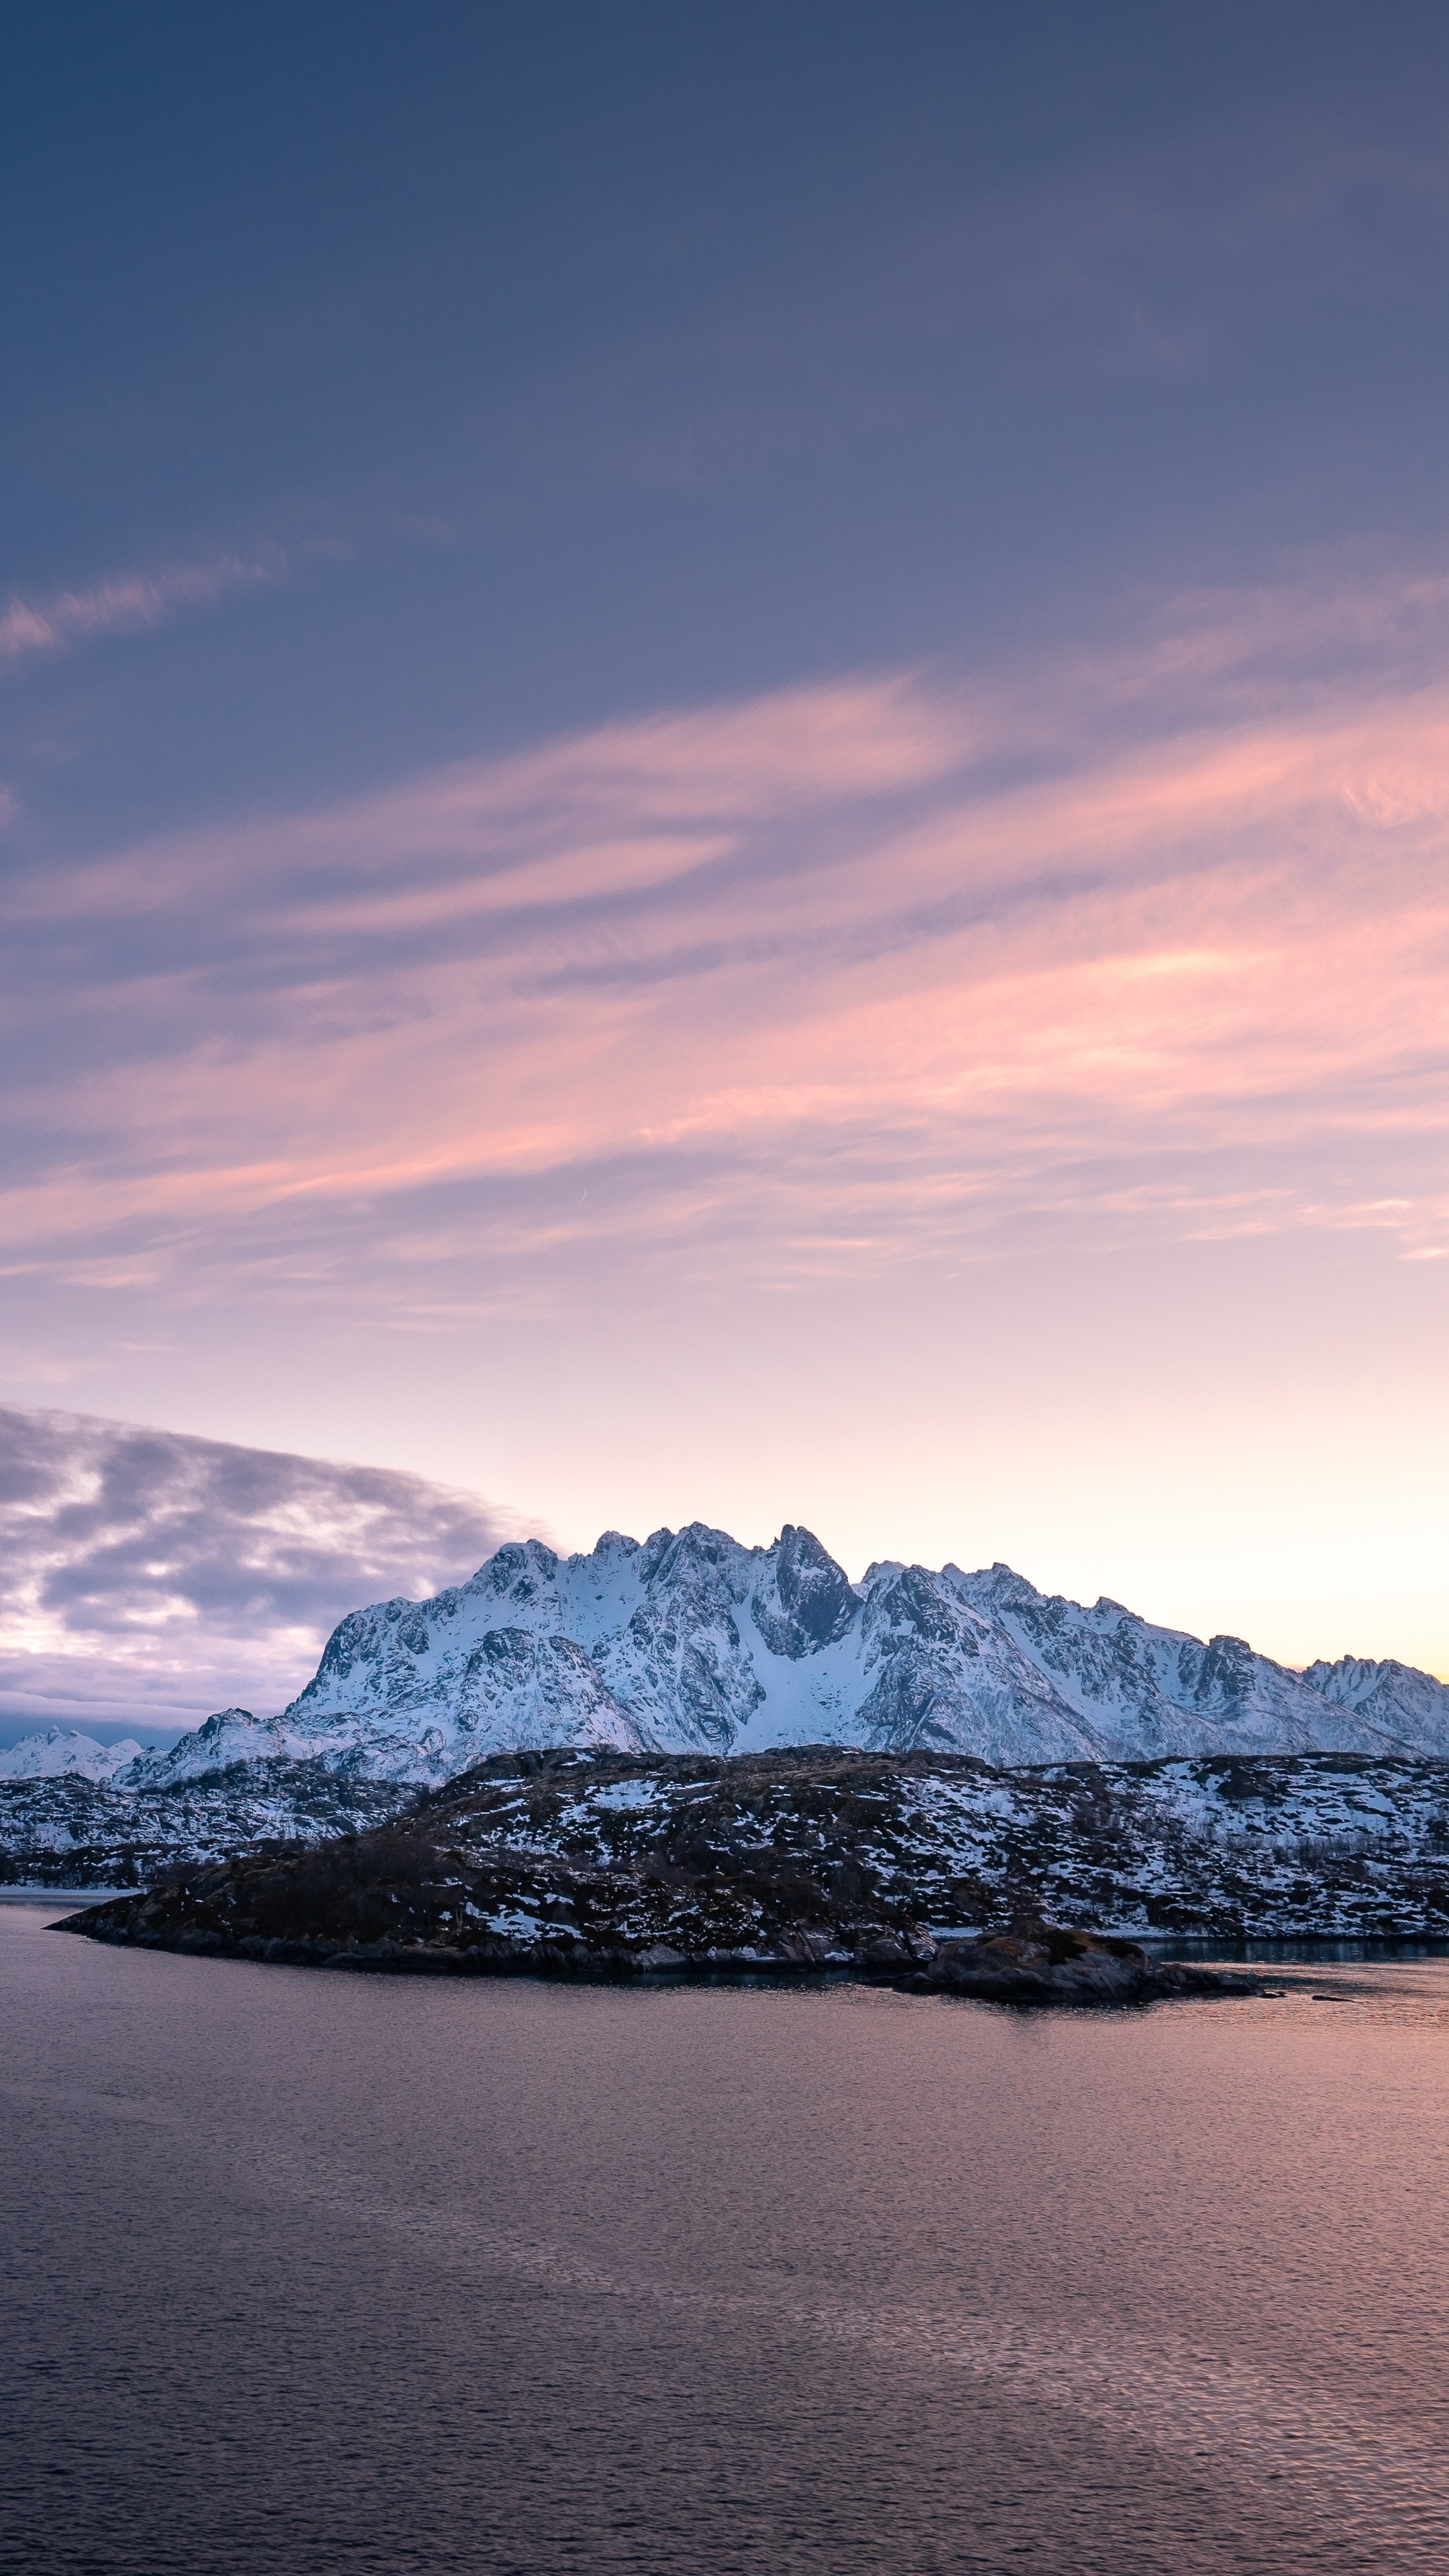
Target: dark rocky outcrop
1048,1963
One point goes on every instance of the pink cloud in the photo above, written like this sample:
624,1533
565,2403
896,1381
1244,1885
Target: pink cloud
587,815
803,971
126,604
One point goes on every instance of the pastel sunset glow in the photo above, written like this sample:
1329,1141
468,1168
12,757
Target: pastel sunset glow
691,836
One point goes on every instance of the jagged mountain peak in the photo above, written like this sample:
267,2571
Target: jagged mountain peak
690,1640
818,1600
614,1543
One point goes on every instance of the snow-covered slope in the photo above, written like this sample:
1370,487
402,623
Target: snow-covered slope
692,1642
60,1753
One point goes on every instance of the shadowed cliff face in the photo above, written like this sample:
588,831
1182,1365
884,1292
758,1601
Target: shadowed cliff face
817,1605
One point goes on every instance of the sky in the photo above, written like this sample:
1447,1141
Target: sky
724,757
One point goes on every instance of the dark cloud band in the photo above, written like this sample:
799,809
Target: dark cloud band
147,1577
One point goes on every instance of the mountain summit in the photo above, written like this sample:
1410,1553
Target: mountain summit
691,1642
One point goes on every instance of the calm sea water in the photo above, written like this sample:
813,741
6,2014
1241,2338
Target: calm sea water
307,2272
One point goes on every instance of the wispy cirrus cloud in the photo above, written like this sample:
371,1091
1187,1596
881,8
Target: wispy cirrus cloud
885,968
125,604
148,1577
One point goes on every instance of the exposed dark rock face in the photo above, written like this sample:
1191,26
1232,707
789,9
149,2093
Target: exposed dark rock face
392,1901
817,1603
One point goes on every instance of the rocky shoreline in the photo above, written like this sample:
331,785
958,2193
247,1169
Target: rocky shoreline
1035,1964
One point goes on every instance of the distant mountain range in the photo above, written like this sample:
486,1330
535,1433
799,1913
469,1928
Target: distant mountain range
61,1754
690,1642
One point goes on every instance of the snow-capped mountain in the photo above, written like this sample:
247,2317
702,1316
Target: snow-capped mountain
233,1735
61,1753
693,1642
1407,1703
690,1641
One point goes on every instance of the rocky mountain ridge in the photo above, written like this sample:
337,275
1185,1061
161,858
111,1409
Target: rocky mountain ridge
692,1642
62,1753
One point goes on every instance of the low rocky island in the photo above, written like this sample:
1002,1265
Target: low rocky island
565,1865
